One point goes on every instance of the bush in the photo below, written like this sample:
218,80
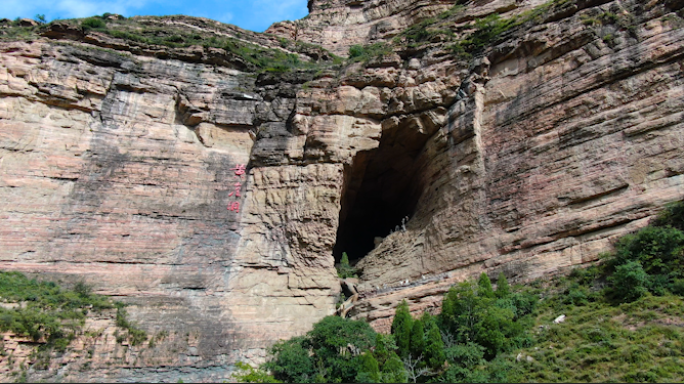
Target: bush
93,23
629,281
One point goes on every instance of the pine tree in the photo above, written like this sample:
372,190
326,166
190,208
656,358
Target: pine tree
401,329
369,371
417,339
447,318
485,286
503,290
345,269
434,348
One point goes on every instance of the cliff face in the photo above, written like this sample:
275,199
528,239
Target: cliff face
215,200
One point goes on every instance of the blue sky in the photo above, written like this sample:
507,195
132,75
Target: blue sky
255,15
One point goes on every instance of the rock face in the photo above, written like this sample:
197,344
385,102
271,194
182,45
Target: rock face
215,200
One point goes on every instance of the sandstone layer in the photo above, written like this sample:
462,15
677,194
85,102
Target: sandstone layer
216,200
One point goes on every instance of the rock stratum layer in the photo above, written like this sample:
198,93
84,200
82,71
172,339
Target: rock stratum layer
122,164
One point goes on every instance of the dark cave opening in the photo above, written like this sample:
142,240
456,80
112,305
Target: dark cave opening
381,189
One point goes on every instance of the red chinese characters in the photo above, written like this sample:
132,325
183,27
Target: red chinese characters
236,192
234,206
239,170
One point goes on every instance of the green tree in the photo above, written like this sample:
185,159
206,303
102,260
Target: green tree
495,329
463,362
345,269
41,18
329,341
629,281
369,372
385,347
393,370
401,329
503,290
291,361
484,286
462,311
417,344
434,348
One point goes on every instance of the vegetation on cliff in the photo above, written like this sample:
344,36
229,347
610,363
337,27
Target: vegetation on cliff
620,320
265,54
52,316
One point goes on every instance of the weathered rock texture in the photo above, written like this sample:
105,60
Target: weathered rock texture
119,165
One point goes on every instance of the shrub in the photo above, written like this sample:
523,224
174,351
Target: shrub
93,23
629,281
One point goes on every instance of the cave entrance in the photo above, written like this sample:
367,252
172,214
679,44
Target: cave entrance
381,188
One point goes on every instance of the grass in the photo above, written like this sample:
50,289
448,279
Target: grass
599,342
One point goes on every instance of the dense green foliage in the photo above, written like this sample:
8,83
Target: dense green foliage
649,260
44,311
324,353
622,324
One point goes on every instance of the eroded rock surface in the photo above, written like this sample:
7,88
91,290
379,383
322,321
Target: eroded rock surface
216,200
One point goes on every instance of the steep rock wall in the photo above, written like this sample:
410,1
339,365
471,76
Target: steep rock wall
123,166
